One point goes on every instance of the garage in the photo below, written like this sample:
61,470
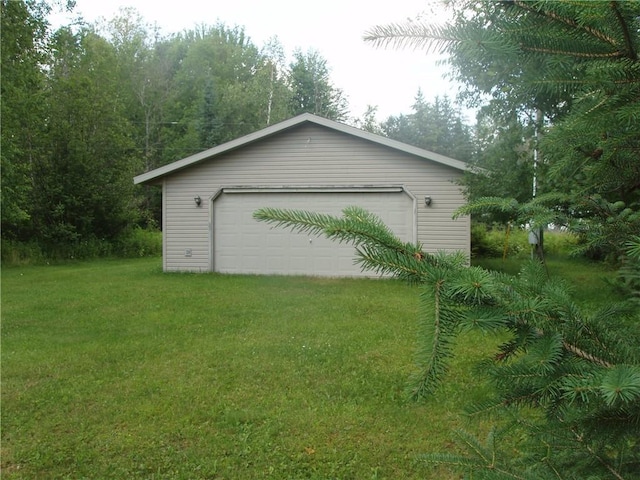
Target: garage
243,245
304,163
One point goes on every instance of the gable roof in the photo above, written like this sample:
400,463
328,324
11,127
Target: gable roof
158,173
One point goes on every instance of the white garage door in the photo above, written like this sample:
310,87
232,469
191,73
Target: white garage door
241,244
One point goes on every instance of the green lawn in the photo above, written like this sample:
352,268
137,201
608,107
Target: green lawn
113,369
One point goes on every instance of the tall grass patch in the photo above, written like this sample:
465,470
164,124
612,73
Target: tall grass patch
139,242
20,253
493,241
591,283
133,243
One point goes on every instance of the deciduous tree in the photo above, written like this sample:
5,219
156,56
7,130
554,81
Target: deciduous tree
24,51
312,89
83,182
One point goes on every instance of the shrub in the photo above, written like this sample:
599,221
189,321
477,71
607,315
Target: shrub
137,242
140,242
559,243
495,241
21,253
16,253
491,242
81,249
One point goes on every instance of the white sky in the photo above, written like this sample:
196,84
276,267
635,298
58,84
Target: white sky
387,77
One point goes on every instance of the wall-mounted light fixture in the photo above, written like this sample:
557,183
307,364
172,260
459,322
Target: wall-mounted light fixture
427,201
198,200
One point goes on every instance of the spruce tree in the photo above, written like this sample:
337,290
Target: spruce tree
577,63
566,380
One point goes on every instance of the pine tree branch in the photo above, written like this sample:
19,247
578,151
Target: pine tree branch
568,21
428,378
631,53
607,465
552,468
374,261
573,54
579,352
585,355
412,34
487,455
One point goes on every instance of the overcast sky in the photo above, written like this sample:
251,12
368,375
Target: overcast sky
387,78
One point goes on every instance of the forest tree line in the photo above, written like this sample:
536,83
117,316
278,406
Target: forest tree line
88,106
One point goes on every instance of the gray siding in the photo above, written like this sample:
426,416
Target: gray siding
307,155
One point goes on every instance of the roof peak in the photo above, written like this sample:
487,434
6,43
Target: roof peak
154,175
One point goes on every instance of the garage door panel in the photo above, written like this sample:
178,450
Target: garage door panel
243,245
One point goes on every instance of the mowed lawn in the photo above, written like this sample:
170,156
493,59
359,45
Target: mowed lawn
113,369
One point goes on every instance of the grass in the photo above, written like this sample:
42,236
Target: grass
113,369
